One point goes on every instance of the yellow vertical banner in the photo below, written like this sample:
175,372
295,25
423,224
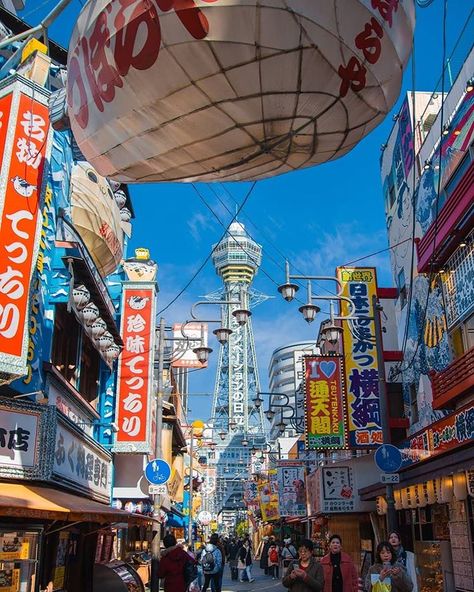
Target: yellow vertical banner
359,285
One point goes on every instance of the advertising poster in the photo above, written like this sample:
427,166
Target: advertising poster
292,489
9,578
13,547
359,285
338,489
324,409
269,504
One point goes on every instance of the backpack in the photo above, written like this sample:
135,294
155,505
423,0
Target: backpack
274,556
208,562
190,572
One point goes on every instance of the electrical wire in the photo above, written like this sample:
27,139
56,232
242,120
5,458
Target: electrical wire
203,264
376,253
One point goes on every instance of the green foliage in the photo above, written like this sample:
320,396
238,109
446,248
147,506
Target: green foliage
242,528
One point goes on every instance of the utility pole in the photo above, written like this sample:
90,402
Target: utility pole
384,416
156,542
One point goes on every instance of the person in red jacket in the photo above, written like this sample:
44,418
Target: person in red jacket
340,573
172,565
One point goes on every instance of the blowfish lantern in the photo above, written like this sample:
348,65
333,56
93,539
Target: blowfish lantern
213,90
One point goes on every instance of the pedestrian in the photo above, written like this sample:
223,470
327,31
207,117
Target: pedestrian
214,540
172,566
233,556
406,558
264,555
244,563
288,553
211,562
273,561
340,572
386,574
306,574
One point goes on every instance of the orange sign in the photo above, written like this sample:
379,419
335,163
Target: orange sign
136,369
24,150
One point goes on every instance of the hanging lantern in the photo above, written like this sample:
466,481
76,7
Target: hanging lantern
381,505
98,328
90,313
412,496
213,90
431,492
460,486
397,494
405,499
446,489
105,341
422,495
120,198
125,215
81,296
112,352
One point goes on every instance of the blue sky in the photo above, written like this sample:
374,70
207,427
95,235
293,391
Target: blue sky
317,218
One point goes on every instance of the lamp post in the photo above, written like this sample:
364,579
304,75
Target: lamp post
332,334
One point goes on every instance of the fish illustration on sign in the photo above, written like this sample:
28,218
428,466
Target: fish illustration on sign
22,187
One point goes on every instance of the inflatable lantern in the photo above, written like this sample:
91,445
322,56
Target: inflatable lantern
208,90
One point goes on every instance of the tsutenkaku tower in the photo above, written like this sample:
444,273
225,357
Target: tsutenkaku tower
237,259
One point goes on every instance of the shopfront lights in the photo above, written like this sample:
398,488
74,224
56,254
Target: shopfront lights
242,315
427,165
309,312
222,335
288,291
202,353
331,333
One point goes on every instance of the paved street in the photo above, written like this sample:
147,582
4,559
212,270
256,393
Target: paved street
262,582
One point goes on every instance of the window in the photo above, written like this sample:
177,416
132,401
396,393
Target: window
391,196
414,414
89,371
65,350
402,288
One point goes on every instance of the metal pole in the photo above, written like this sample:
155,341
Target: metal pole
383,402
155,544
190,515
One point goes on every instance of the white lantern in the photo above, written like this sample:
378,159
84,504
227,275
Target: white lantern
120,198
80,296
397,494
98,328
90,313
405,498
112,352
105,340
460,486
431,492
422,495
446,489
381,505
217,90
125,215
412,496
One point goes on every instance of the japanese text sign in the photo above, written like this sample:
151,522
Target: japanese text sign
291,488
135,379
360,357
325,422
183,354
269,505
19,431
24,134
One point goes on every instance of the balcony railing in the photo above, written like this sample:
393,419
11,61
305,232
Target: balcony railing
454,381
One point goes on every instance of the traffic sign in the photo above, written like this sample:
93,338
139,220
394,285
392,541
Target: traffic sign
157,489
388,458
157,471
387,478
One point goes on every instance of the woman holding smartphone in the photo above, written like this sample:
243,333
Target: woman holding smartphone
386,573
306,574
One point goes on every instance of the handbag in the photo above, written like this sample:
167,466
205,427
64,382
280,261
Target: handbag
241,564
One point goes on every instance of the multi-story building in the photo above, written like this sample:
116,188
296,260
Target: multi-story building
428,178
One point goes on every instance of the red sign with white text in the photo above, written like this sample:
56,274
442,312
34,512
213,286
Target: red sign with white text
135,370
25,151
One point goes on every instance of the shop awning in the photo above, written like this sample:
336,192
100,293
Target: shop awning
34,501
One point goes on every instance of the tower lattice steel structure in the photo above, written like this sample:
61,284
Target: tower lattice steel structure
236,258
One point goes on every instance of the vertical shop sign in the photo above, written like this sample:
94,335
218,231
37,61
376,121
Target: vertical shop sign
324,409
24,134
360,357
292,489
135,379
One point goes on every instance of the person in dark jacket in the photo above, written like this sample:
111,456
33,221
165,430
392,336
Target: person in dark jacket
172,565
387,569
264,556
307,574
233,556
214,540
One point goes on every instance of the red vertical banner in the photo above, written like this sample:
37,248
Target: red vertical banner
24,135
324,406
135,378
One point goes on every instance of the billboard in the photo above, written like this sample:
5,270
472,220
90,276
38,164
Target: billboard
291,489
24,145
183,355
135,377
324,403
359,285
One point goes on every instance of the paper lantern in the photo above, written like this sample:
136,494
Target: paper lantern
208,90
397,494
98,328
446,493
422,495
431,492
412,496
405,499
80,296
90,313
460,486
105,341
381,505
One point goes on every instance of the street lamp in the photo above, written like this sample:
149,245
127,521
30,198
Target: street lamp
332,334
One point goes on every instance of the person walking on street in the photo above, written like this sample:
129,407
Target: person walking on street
273,561
214,540
387,574
245,562
264,555
233,556
173,565
288,553
211,562
340,573
406,558
306,575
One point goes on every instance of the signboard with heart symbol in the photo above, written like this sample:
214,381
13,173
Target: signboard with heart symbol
324,409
